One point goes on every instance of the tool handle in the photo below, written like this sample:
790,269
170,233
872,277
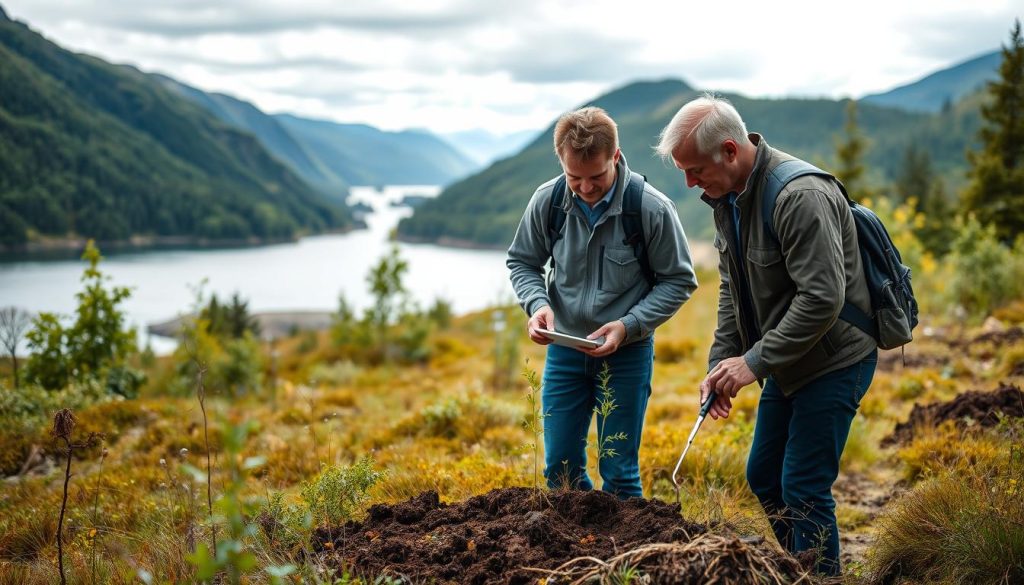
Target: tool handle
707,404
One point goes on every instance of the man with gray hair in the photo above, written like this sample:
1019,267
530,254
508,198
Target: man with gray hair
784,280
620,268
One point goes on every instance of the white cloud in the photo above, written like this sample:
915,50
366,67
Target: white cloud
457,64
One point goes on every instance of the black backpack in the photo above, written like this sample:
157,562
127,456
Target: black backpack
892,297
631,221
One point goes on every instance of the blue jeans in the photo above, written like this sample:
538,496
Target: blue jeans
569,396
794,458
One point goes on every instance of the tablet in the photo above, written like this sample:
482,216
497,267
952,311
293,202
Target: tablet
571,340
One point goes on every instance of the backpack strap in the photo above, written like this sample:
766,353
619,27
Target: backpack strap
774,181
556,216
632,224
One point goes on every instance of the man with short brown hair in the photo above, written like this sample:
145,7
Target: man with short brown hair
620,268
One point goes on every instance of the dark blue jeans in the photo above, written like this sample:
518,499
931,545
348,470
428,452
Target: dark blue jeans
794,459
570,394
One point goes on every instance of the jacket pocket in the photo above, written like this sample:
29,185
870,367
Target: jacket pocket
770,284
620,270
764,257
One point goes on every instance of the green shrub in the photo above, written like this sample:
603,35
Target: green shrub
336,373
87,348
338,492
234,366
466,417
987,275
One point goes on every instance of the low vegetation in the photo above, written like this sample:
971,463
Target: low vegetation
236,461
296,453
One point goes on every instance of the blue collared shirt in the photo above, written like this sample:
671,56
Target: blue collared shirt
736,222
594,213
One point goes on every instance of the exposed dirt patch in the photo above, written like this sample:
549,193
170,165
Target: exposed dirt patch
497,537
867,497
981,408
896,359
1000,338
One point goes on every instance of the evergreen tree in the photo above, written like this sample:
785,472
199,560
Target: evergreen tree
918,183
996,190
915,176
230,321
938,232
850,155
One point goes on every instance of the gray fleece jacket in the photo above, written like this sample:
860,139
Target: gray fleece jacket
597,279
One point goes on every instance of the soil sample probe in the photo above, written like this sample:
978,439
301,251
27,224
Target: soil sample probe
700,418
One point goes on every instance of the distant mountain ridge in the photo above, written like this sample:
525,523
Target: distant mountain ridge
363,155
330,155
91,149
942,88
484,209
270,132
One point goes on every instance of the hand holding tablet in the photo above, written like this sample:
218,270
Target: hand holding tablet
571,340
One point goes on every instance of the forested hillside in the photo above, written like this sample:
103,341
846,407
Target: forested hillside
330,155
271,133
91,149
485,208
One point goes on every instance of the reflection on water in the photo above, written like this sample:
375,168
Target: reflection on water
308,274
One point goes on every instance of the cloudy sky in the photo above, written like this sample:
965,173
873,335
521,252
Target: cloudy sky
451,65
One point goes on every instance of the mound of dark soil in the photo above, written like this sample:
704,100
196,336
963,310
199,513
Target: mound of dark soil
1000,338
497,537
894,359
981,408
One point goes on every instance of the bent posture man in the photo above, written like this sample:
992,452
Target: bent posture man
597,289
778,317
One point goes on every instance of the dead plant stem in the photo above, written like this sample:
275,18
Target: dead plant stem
63,507
201,393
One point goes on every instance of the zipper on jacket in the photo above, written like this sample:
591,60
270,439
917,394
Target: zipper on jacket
748,326
600,270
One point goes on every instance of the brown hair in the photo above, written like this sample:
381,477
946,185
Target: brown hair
586,132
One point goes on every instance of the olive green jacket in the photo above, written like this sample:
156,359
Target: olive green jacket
796,285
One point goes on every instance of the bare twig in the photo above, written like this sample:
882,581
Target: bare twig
95,510
201,395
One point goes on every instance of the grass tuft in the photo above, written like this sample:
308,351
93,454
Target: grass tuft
954,529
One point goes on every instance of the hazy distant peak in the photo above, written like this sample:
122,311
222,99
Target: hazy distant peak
640,96
935,90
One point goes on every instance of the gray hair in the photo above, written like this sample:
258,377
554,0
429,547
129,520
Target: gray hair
709,120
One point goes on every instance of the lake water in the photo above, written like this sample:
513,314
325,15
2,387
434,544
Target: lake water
305,275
